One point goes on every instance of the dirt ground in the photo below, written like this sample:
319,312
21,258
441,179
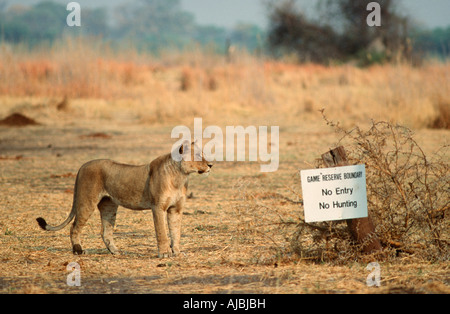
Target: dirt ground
224,250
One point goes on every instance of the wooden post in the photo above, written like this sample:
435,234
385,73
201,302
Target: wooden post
362,230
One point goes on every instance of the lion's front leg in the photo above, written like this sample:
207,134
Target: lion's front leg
162,240
174,220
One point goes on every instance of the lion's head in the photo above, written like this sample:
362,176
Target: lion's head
191,158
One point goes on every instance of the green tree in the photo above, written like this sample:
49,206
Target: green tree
44,22
210,35
93,22
154,24
248,36
435,42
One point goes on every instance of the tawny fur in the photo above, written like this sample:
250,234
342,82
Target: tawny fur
160,186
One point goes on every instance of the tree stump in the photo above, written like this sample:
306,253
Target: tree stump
362,230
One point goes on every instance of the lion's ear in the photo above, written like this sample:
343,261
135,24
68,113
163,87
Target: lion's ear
184,148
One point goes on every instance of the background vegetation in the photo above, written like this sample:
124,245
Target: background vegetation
150,25
340,34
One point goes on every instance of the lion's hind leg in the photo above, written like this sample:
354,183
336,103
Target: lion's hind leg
108,211
83,214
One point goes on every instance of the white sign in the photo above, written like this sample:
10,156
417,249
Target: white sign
334,193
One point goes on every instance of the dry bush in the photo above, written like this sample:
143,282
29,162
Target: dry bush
186,80
408,197
442,119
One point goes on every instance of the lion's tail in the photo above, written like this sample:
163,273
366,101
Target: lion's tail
44,225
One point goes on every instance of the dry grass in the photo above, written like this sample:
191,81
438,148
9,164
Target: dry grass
239,228
442,119
408,199
173,86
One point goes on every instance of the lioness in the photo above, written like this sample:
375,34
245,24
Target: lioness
160,186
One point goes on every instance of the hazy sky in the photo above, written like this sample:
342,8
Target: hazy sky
430,13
